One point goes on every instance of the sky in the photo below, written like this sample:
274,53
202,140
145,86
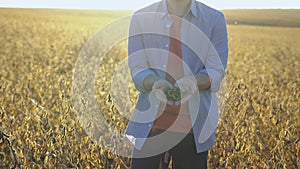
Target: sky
136,4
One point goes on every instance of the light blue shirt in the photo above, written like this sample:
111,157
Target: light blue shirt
204,50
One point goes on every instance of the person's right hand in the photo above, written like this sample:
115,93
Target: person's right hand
159,87
161,84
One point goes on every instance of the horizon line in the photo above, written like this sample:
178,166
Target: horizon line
279,8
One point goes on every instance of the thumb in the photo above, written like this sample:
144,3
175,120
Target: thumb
160,95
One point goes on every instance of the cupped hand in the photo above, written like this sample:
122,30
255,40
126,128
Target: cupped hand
159,87
187,86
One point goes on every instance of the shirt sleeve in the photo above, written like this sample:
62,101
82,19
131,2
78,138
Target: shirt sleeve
217,54
137,56
220,39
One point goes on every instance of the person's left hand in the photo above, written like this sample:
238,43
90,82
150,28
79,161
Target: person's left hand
159,88
187,85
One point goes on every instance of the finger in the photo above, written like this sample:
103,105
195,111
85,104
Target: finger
161,84
160,95
158,85
192,88
186,98
183,86
166,84
195,87
177,84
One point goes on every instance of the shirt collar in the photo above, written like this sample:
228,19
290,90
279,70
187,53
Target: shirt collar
192,9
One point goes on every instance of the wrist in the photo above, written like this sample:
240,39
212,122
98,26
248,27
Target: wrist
203,81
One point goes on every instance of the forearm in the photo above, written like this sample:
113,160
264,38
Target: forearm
150,80
203,81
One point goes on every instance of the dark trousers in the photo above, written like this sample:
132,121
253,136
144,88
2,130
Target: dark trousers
184,156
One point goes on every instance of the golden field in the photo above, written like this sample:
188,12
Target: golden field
259,126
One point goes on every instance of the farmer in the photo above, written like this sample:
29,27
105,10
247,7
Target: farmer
175,46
